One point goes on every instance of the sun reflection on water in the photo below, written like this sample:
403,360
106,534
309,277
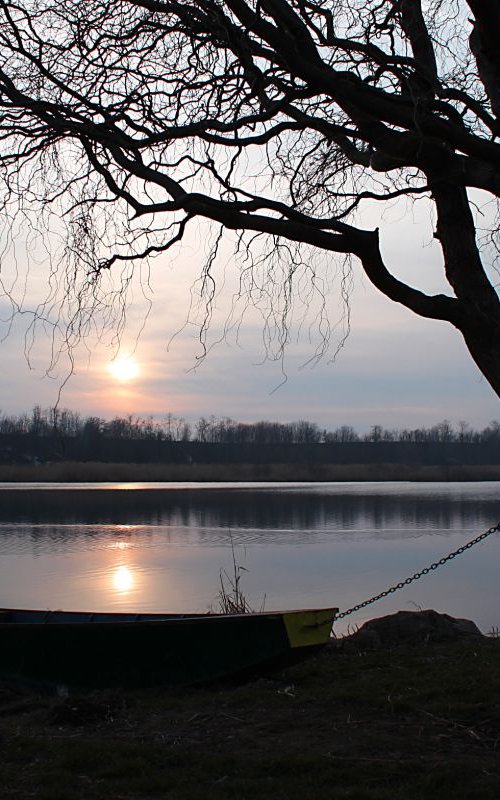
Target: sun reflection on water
123,579
120,545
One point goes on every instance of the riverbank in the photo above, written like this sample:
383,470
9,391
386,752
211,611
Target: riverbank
416,721
83,472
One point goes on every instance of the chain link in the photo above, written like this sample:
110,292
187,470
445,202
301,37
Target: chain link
418,575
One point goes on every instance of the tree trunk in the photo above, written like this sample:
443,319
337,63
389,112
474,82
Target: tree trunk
483,342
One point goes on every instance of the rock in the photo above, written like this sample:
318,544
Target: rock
412,627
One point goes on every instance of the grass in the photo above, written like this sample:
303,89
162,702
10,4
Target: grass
69,471
231,599
406,722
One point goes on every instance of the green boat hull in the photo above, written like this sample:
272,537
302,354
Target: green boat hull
103,650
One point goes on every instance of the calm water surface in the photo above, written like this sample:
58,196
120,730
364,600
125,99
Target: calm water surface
158,547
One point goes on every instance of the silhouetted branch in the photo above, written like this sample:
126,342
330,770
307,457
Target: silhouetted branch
281,120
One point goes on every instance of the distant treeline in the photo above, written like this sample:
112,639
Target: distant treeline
63,435
52,422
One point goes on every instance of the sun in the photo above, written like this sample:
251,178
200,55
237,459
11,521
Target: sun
124,368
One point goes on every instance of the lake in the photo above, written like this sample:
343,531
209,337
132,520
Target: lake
161,547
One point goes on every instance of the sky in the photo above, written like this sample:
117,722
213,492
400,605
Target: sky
395,369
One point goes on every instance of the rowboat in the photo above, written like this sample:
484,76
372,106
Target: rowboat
79,649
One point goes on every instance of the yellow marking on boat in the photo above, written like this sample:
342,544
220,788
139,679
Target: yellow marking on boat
306,628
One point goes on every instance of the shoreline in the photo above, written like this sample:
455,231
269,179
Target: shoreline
96,472
412,719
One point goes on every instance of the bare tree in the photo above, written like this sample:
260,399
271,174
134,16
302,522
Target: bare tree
278,119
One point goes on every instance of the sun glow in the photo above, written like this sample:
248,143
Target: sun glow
123,579
124,369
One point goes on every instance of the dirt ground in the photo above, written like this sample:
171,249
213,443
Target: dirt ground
412,721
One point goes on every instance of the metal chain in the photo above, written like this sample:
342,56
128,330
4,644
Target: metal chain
418,575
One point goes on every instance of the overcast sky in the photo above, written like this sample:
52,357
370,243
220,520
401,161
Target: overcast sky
395,368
